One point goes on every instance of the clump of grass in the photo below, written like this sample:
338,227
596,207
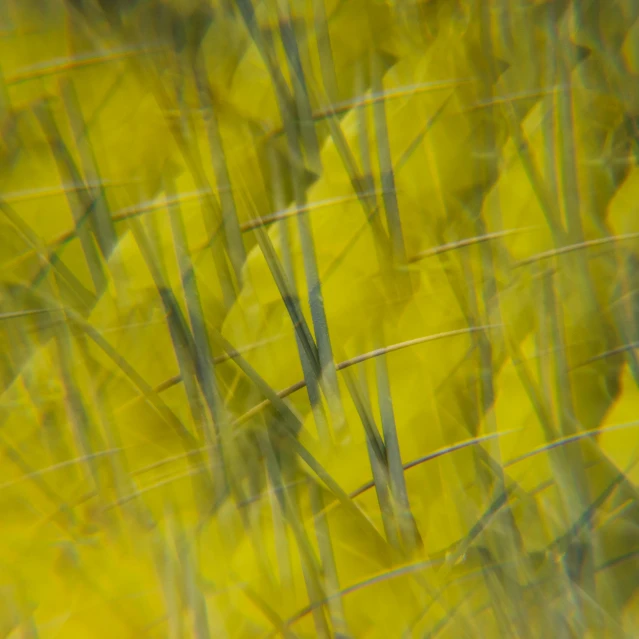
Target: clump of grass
318,318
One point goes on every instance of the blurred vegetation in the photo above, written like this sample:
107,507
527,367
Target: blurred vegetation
319,318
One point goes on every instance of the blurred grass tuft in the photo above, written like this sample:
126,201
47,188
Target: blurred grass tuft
318,318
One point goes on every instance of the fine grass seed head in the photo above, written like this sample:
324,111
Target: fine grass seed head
319,319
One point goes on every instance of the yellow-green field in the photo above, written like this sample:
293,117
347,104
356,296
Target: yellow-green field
319,318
